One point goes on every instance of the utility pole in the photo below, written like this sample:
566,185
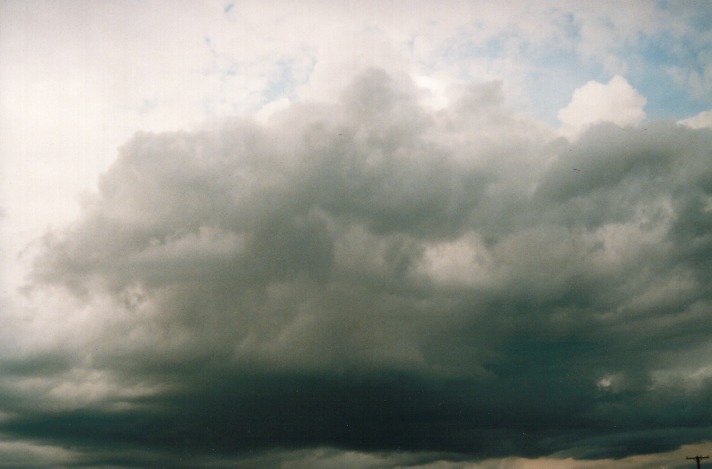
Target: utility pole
697,458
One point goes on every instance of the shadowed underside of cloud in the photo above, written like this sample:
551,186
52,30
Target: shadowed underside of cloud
376,276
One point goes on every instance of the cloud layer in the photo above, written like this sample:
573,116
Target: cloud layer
377,276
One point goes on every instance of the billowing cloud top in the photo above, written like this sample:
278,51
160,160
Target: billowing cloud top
372,275
617,102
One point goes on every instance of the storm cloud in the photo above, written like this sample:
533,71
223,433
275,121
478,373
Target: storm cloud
379,276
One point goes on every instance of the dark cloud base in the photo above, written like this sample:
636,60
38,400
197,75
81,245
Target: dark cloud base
250,413
380,277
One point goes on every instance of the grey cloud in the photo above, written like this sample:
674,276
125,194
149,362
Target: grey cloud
376,276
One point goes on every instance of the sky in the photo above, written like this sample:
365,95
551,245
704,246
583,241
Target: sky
364,234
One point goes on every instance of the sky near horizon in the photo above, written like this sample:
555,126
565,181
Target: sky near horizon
457,234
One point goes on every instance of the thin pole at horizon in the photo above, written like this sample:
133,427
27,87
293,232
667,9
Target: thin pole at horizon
697,458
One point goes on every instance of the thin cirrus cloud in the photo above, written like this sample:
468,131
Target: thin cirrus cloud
365,252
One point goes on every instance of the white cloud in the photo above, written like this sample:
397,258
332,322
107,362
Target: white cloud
463,262
700,121
616,102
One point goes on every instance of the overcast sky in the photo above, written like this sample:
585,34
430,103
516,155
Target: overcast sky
458,234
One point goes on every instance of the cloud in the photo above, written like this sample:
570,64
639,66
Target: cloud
700,121
615,101
85,77
373,275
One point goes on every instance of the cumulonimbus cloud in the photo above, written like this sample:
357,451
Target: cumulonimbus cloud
374,275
